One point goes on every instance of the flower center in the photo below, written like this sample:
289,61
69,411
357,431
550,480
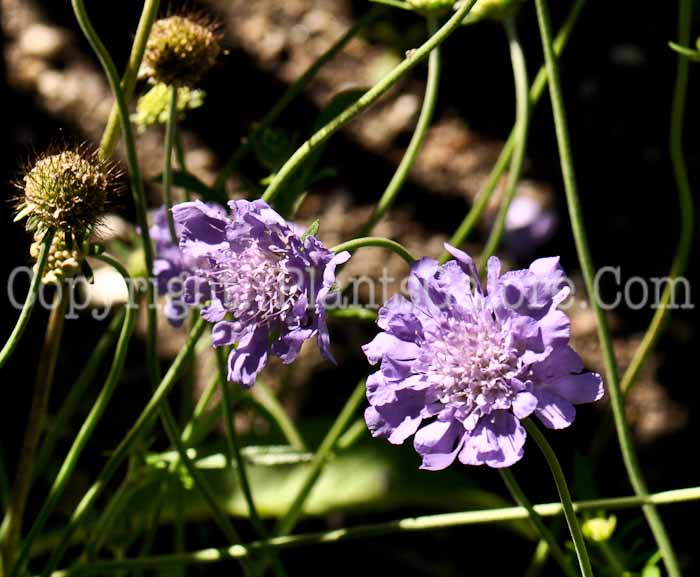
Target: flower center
471,364
254,287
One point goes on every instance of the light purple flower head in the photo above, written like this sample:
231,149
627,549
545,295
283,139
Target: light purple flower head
170,266
529,225
461,366
262,285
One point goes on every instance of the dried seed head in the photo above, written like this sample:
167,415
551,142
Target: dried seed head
180,50
66,192
431,6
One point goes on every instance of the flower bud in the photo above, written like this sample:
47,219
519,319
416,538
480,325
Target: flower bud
63,261
599,529
153,107
492,10
431,6
180,50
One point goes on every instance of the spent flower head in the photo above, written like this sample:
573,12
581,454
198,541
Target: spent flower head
461,366
181,49
67,192
265,284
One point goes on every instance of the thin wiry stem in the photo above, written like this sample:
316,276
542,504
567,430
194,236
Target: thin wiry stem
292,92
419,134
521,499
370,97
135,176
565,497
537,89
580,237
12,522
522,118
138,429
392,245
86,430
685,202
110,137
170,129
29,302
426,523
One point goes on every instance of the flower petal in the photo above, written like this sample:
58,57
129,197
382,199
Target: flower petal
497,441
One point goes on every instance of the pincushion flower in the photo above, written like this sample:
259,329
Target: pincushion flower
170,265
461,366
263,285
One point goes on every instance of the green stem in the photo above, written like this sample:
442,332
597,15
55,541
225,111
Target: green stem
538,560
234,456
290,519
135,176
12,523
269,403
611,559
137,431
522,117
201,484
291,93
369,98
419,135
521,499
29,302
110,136
76,395
392,245
191,435
565,497
537,89
86,430
685,198
616,395
407,525
170,128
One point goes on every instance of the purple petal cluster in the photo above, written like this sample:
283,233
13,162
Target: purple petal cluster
263,286
461,366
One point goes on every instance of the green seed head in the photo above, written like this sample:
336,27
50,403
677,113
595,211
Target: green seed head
431,6
66,192
180,51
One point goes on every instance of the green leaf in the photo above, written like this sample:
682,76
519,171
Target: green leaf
188,181
369,478
312,230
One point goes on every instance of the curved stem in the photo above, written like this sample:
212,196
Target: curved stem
12,523
369,98
170,128
522,118
564,496
685,198
235,456
411,524
135,176
110,137
78,389
419,135
521,499
269,403
479,208
291,93
290,519
392,245
201,484
91,421
616,395
29,302
137,431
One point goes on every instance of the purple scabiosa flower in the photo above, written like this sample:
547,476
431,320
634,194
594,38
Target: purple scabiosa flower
529,225
171,266
461,366
263,285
